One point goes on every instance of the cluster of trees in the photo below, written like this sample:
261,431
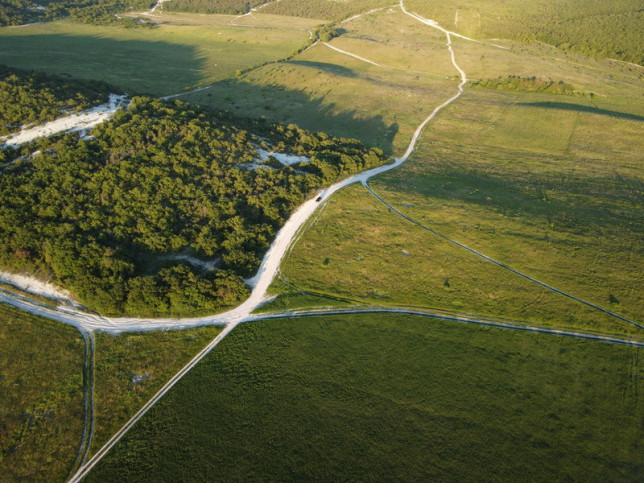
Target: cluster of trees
525,84
100,215
32,98
231,7
18,12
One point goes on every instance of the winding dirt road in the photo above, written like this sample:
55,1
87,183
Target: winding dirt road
261,281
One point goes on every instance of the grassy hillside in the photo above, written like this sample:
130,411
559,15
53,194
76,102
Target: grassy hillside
405,265
400,398
158,62
325,90
547,185
596,28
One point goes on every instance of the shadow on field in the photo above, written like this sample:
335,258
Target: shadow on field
278,104
582,204
136,66
567,106
325,66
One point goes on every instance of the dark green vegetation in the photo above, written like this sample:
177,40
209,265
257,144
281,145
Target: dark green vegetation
391,397
130,368
106,215
33,98
18,12
234,7
607,29
520,84
323,9
41,396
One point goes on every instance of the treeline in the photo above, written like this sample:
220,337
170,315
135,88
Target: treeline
101,215
525,84
33,98
19,12
229,7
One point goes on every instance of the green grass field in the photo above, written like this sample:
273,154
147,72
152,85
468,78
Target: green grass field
548,186
162,61
394,398
132,367
405,265
595,28
41,397
324,90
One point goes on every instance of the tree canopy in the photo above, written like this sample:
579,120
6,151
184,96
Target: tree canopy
104,216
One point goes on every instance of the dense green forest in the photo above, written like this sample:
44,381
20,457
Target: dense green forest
232,7
103,216
19,12
32,98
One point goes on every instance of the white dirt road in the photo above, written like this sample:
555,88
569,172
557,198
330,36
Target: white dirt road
269,269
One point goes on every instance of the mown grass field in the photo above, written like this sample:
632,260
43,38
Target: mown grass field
161,61
132,367
41,397
396,398
405,265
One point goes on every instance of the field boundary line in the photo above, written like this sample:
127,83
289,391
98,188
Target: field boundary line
464,318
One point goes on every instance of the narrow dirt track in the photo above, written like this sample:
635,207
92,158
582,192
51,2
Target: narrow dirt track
261,281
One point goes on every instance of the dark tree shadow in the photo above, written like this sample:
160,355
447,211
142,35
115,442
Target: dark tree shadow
137,66
279,104
567,106
334,69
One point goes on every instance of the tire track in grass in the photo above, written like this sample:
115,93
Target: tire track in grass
88,405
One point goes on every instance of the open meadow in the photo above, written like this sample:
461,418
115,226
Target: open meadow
546,185
404,265
406,397
321,89
184,51
595,28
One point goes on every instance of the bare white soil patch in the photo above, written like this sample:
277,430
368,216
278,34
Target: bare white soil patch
74,122
28,283
286,159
